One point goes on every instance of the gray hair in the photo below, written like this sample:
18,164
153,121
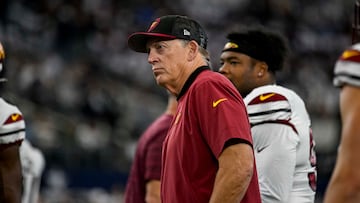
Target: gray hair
205,54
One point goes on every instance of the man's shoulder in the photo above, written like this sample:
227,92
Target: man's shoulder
273,102
209,73
347,67
7,109
157,129
271,93
12,123
212,77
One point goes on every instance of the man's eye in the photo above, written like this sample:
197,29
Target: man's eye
159,46
234,63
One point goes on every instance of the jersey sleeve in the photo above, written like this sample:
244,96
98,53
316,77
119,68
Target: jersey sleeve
347,67
269,107
12,125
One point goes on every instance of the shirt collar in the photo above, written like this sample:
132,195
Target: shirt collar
191,79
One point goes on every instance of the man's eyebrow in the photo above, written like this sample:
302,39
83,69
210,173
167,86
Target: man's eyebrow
150,41
229,58
155,41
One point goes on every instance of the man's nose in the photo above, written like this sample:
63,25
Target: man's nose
151,58
223,69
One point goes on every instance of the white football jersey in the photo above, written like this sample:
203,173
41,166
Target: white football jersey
283,145
347,67
12,129
12,124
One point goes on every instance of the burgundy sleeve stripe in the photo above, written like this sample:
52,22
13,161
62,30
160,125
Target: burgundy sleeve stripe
269,112
284,122
268,97
350,55
14,118
12,132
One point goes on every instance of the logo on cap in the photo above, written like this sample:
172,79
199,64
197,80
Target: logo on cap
154,24
231,45
186,32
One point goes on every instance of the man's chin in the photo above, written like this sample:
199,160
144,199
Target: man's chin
159,81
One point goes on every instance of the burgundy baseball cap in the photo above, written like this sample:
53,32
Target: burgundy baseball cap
167,28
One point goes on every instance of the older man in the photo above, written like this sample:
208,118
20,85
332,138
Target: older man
207,154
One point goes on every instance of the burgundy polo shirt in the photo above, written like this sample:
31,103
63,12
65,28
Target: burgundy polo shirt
210,113
147,161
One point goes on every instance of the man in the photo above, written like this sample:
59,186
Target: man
143,184
12,133
280,125
345,181
344,184
207,154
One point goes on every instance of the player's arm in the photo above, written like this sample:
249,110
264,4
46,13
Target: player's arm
153,168
345,182
10,173
236,164
153,192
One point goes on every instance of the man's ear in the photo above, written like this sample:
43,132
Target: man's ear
262,68
193,50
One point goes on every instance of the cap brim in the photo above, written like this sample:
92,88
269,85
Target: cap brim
137,41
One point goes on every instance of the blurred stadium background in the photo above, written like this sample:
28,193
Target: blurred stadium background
86,97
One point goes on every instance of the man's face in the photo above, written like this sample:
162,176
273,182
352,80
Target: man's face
168,59
240,70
